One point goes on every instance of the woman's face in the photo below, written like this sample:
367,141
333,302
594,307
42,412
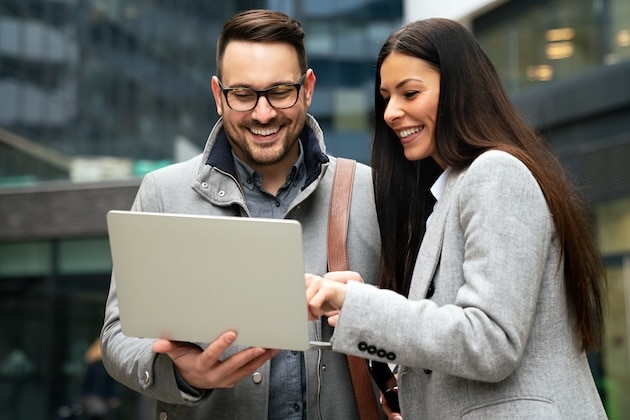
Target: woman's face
411,89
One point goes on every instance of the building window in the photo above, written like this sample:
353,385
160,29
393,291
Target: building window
534,42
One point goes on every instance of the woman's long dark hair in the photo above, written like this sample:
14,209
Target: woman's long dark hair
474,115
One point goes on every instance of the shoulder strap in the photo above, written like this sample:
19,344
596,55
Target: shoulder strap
338,261
340,199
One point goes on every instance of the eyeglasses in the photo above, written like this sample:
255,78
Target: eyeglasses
279,97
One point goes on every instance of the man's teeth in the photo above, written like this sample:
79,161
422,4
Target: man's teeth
265,131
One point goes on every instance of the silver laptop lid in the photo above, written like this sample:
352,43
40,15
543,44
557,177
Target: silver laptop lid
191,278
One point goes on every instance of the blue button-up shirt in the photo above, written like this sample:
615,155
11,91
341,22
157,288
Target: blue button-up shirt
287,386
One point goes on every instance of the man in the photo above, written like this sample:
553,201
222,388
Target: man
265,157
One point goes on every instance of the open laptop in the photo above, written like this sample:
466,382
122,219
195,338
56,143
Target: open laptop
191,278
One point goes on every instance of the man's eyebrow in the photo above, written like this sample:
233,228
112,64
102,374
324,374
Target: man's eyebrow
249,86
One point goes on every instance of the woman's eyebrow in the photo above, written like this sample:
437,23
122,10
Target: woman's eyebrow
402,83
405,81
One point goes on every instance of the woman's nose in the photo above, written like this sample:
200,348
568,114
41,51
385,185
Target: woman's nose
392,112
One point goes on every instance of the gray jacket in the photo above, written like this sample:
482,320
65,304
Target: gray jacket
496,339
207,185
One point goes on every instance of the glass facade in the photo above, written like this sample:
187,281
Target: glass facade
613,232
534,42
102,90
130,80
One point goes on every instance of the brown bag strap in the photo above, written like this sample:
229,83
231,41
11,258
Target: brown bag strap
339,214
338,261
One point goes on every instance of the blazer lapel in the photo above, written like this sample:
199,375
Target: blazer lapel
431,247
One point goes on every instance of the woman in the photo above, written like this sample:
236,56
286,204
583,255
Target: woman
494,319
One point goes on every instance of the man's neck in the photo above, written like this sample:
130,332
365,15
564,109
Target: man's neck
274,176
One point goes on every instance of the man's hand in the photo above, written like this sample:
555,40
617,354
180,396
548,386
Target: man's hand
202,369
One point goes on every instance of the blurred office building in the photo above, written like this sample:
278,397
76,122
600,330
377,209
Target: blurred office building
566,64
95,93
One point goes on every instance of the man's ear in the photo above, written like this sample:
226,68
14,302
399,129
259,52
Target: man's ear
217,93
309,86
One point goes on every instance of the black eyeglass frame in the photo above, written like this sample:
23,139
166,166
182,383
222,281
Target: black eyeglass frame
263,92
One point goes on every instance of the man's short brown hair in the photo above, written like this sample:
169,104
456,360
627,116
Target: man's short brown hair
262,26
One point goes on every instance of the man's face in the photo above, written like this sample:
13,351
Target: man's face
264,136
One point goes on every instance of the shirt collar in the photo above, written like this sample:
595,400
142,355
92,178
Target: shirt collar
250,178
438,186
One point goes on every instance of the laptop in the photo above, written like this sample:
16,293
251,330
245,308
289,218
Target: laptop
192,277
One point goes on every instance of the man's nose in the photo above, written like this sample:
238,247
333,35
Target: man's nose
263,111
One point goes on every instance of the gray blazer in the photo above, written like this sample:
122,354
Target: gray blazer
496,339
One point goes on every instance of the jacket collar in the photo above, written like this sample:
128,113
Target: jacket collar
218,152
431,247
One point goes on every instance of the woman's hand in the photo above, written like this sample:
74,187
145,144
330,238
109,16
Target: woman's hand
387,410
325,295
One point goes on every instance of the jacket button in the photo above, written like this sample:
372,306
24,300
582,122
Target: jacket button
391,356
146,377
371,349
204,185
257,377
381,353
363,346
427,371
163,415
221,193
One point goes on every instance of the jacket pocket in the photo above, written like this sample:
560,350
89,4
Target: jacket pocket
513,408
